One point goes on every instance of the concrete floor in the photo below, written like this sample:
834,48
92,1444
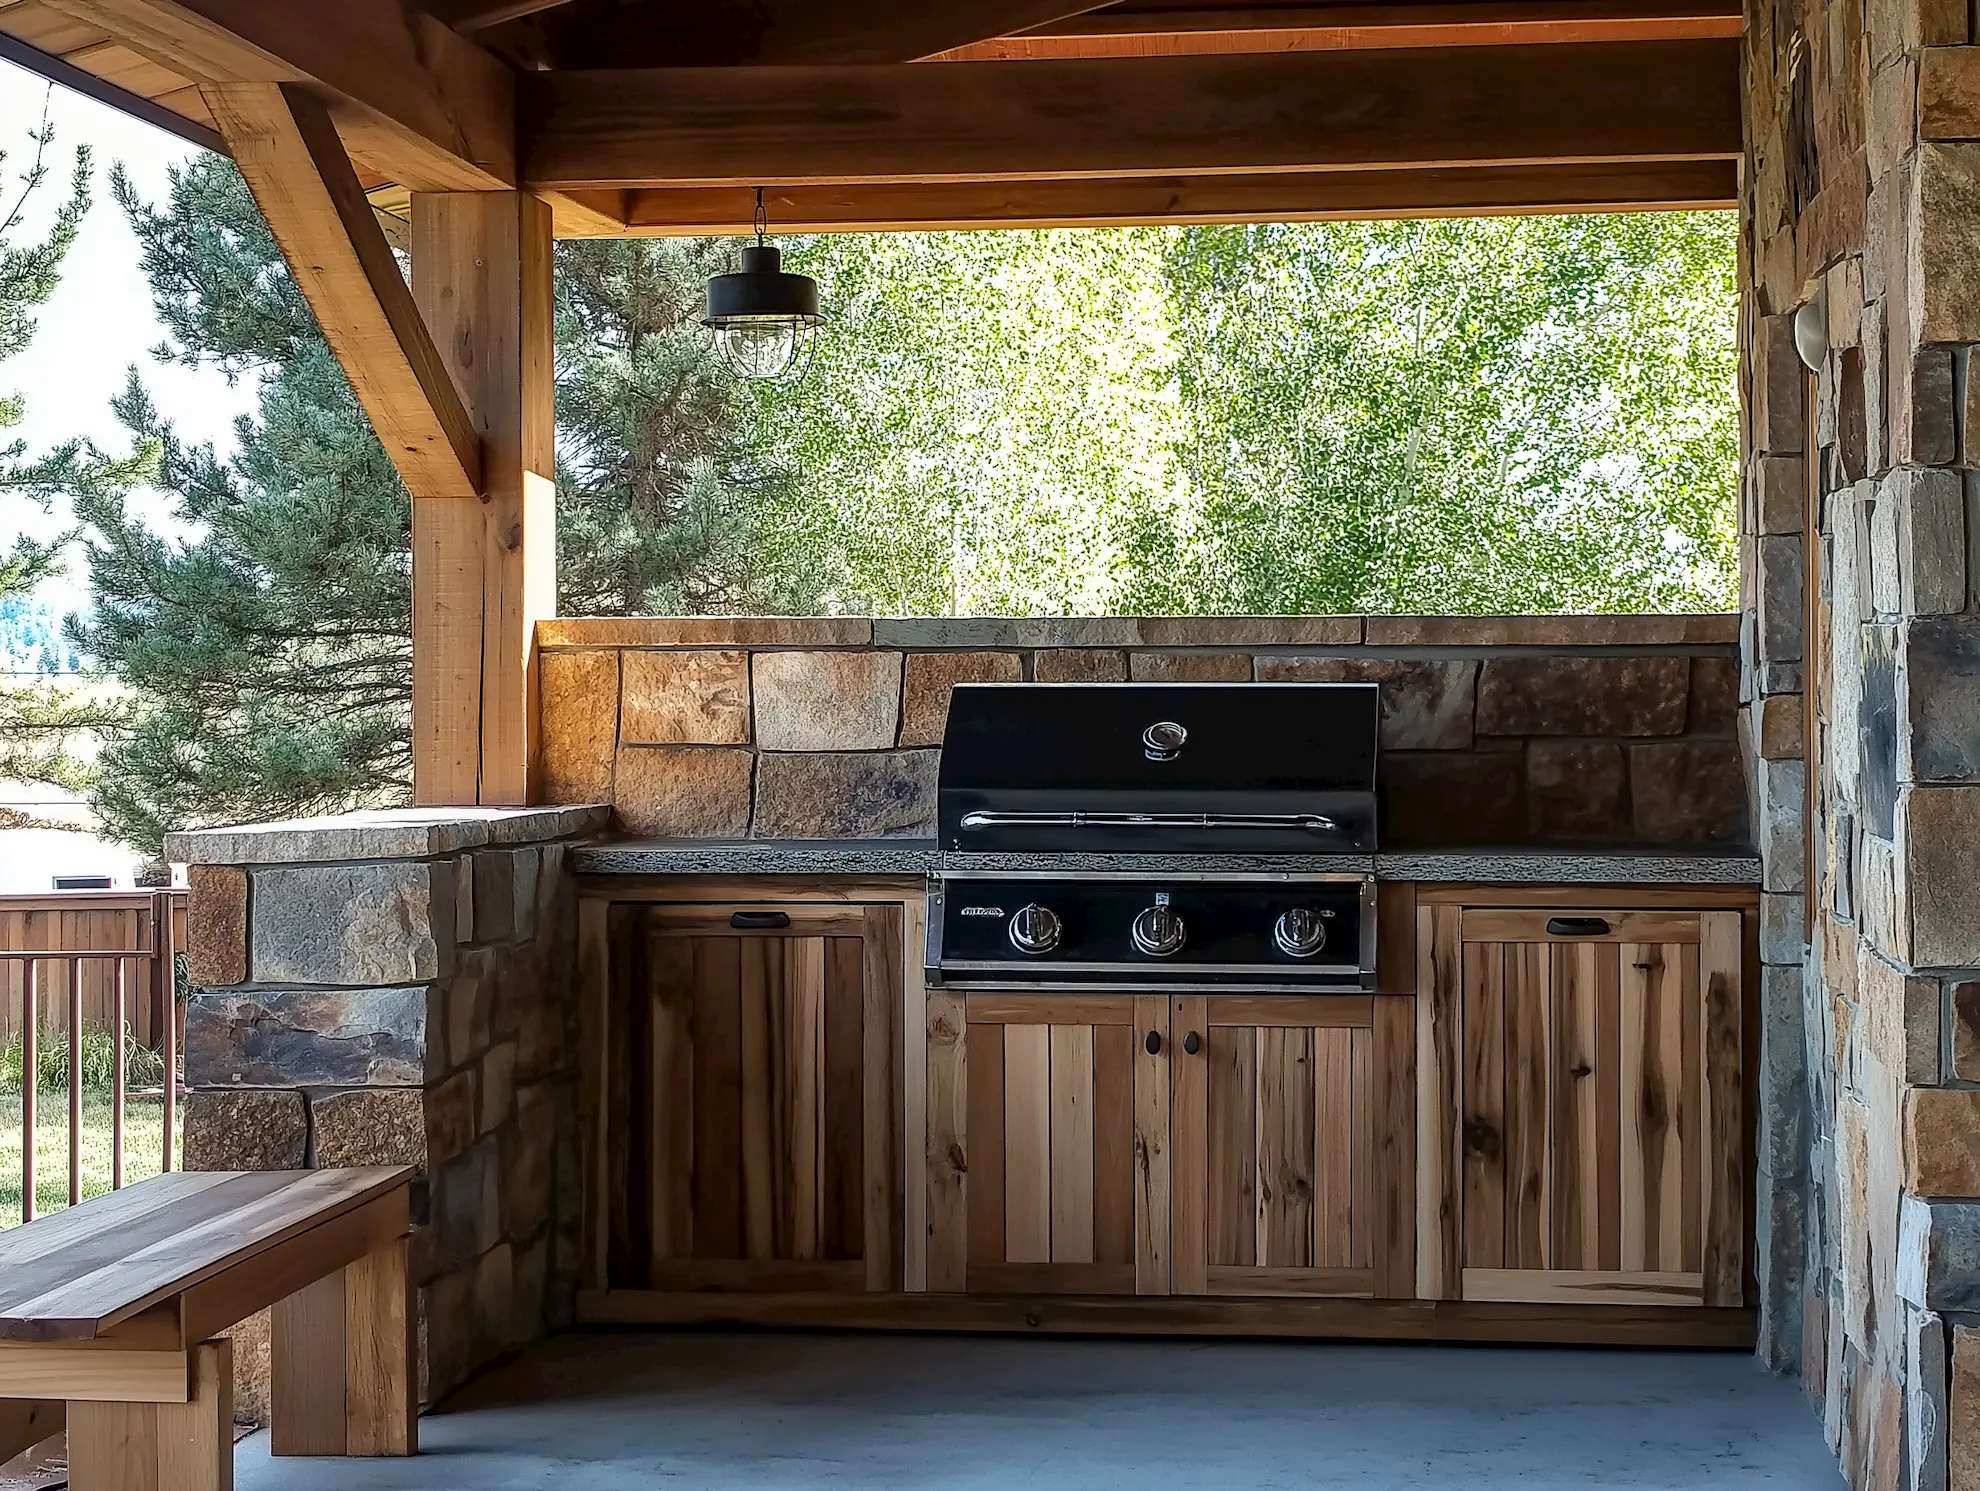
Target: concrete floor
712,1411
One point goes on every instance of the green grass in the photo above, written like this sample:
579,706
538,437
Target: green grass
143,1133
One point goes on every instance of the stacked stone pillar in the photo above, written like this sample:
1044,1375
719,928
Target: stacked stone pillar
399,988
1862,214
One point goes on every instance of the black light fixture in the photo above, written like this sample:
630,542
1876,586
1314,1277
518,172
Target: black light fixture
763,318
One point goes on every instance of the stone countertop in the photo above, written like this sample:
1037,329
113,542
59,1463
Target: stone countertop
910,857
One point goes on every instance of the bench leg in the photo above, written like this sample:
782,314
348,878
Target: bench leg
160,1446
344,1366
25,1422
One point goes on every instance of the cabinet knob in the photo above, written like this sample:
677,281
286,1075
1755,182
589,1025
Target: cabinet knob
1577,926
1192,1043
759,921
1153,1045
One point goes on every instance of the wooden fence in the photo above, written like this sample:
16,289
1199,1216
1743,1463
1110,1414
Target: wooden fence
75,921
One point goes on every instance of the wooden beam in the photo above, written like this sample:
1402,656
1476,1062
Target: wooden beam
1444,107
485,573
1316,28
468,16
289,153
760,33
1279,197
411,98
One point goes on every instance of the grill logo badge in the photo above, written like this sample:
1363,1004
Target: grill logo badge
983,911
1163,740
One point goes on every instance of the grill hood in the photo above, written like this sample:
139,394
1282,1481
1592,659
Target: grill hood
1259,768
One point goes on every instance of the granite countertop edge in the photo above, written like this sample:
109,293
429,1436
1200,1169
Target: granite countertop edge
923,856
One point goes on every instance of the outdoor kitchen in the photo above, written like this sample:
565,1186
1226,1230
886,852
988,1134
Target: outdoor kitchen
1387,978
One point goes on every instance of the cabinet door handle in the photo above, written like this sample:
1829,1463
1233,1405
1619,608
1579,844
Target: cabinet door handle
760,921
1192,1043
1577,926
1153,1045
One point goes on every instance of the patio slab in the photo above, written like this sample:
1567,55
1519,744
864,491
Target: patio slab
713,1411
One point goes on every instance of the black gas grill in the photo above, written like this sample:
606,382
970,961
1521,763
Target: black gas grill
1145,836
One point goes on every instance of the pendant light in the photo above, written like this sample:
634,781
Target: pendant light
763,318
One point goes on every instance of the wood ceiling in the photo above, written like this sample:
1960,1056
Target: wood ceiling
656,116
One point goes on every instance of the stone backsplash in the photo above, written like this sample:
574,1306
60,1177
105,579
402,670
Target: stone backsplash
1544,730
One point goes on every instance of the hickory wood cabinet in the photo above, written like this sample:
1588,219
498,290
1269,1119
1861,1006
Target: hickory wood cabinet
1537,1130
1580,1103
1168,1145
757,1083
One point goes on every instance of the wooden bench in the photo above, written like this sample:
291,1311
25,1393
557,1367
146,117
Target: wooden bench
108,1312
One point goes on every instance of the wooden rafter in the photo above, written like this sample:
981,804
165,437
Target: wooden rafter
729,33
987,121
1316,28
468,16
288,151
411,98
1303,197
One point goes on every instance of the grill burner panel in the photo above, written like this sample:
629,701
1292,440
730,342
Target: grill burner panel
1228,924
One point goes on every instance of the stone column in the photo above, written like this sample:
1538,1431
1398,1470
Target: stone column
398,988
1863,205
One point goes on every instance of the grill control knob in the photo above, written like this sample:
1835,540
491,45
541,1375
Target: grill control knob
1300,933
1159,932
1035,929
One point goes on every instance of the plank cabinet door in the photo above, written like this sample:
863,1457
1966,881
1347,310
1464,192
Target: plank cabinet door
1066,1133
1585,1091
1287,1120
768,1087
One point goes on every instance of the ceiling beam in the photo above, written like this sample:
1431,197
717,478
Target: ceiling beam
983,121
760,33
1279,197
411,99
467,16
288,151
1317,28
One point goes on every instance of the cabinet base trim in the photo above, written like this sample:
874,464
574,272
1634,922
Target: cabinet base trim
1365,1319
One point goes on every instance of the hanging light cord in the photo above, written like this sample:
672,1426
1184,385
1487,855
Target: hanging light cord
762,218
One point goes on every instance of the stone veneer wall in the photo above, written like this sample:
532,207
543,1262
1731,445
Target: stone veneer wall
1863,196
1496,730
398,988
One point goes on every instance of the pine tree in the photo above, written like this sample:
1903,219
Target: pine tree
269,657
40,724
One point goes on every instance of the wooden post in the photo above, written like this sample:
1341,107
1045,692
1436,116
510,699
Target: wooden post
484,572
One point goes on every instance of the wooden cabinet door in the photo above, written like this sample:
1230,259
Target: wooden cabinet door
1289,1136
1586,1094
768,1088
1066,1132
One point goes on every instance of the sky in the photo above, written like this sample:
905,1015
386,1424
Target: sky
99,323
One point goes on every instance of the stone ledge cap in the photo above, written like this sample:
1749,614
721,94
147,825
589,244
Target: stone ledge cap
383,833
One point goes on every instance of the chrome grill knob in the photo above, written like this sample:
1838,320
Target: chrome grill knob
1035,929
1159,932
1300,933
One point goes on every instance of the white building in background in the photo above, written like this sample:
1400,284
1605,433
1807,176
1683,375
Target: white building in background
35,859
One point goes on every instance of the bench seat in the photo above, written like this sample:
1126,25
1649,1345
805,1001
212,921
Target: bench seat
109,1312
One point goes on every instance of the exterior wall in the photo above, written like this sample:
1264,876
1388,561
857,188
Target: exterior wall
1497,730
1863,186
399,989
